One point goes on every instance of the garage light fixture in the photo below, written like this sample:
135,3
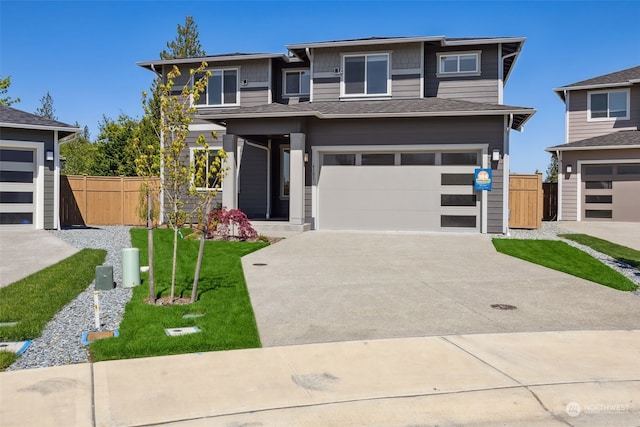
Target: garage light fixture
306,157
569,169
49,155
495,155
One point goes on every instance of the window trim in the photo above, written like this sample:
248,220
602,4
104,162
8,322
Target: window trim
283,148
476,72
284,82
343,93
223,105
608,118
192,150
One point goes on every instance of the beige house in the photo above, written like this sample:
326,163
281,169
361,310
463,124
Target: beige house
599,165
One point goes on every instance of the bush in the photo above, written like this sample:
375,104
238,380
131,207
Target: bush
222,224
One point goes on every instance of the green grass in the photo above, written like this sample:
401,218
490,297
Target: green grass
621,253
34,300
563,257
228,321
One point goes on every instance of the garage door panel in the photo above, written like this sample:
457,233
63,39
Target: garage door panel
378,177
626,201
393,220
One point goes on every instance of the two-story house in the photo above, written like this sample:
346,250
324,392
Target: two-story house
368,134
599,165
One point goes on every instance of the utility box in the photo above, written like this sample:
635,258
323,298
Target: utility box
130,267
104,278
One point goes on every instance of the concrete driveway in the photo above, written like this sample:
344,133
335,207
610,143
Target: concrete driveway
324,286
622,233
26,251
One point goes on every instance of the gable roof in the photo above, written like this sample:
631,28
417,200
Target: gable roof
620,78
366,109
14,118
614,140
236,56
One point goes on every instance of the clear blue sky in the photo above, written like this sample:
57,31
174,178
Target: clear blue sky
85,52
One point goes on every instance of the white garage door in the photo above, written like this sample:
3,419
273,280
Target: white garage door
401,191
17,186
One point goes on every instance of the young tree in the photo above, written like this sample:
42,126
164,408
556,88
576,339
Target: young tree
552,170
4,88
46,109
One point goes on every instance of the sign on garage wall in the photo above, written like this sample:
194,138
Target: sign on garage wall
482,179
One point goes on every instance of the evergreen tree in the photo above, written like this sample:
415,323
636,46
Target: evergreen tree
552,170
78,154
46,109
115,154
4,88
186,44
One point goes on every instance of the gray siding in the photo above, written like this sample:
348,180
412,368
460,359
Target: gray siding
405,70
251,97
579,126
483,88
495,199
47,137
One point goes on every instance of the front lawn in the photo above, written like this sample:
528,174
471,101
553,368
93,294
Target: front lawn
621,253
33,301
227,320
563,257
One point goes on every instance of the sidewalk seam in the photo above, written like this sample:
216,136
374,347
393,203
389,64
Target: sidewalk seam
93,397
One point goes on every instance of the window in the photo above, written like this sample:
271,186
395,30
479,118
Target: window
459,63
451,159
377,159
346,159
285,172
418,159
598,185
457,200
629,169
456,179
222,88
366,74
297,82
609,105
598,170
598,199
207,165
606,213
467,221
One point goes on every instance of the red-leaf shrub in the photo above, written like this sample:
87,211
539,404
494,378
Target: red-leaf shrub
223,223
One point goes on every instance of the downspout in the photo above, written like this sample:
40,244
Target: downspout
161,216
506,213
268,150
56,180
560,166
309,55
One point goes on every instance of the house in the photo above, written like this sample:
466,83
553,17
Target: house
599,164
368,134
30,169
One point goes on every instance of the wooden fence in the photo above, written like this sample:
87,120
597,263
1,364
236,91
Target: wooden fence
100,200
525,201
550,204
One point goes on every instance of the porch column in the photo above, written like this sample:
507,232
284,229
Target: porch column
296,185
230,183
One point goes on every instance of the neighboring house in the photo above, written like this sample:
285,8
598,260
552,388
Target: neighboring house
30,169
369,134
599,165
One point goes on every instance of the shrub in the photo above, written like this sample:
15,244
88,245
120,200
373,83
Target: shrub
223,224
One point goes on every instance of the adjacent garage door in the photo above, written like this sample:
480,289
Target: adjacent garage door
398,191
611,192
17,186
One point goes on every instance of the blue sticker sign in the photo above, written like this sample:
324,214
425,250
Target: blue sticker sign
482,179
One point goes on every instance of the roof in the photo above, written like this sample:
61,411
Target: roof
236,56
13,118
367,109
625,77
614,140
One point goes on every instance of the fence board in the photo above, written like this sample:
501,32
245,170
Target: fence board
525,201
100,200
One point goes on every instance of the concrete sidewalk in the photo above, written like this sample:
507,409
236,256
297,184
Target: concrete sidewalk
581,378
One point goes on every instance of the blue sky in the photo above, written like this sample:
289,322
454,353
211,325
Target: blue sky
84,53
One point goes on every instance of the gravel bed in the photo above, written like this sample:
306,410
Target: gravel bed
60,343
550,231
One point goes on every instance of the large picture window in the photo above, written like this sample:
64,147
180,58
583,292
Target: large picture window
222,88
207,165
366,74
609,105
297,82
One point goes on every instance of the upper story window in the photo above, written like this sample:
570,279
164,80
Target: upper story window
366,74
608,105
296,82
222,88
459,63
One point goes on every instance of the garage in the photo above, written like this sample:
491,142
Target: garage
18,183
610,192
398,190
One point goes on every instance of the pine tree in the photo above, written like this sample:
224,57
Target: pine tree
552,170
186,44
46,109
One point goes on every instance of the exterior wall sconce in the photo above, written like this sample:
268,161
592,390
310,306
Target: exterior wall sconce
495,155
569,169
49,155
306,157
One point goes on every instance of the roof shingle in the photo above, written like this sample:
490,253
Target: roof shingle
623,138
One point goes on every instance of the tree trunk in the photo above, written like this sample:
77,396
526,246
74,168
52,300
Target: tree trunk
173,268
152,285
194,289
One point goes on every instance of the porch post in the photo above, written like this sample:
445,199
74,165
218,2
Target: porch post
230,183
296,185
